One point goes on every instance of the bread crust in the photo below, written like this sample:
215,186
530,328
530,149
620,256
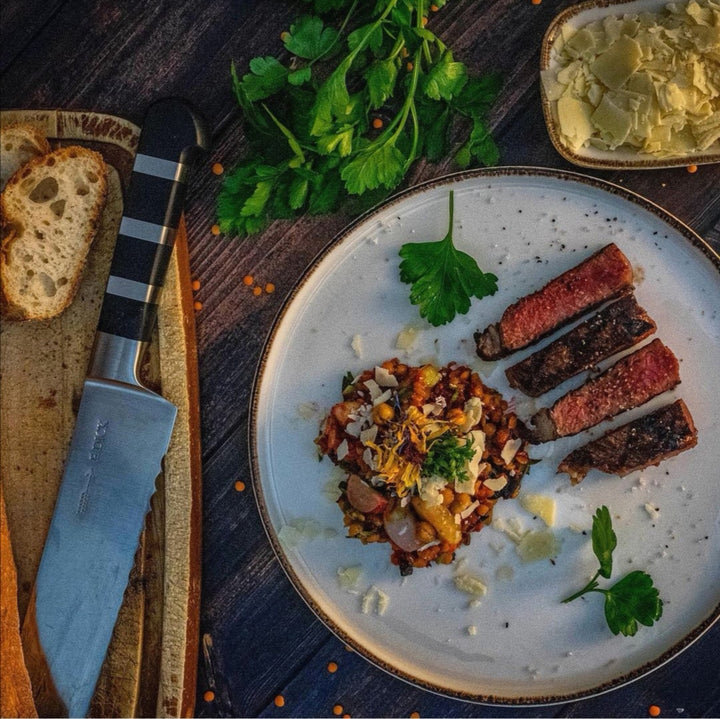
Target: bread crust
16,698
31,142
16,211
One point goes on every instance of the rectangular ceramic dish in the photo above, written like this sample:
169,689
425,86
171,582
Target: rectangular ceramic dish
623,157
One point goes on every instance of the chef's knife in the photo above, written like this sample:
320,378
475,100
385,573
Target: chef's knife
123,429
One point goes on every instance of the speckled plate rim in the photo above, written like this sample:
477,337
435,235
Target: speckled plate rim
285,563
604,160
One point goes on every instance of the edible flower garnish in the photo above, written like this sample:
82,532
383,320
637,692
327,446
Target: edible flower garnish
399,457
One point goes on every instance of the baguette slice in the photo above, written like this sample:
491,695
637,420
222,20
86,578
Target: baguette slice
16,698
19,143
51,210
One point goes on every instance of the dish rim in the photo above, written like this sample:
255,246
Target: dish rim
397,672
607,161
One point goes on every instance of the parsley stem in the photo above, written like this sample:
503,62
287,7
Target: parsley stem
341,29
416,137
366,37
426,52
591,586
397,47
394,128
292,140
410,99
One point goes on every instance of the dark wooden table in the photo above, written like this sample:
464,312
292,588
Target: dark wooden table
260,640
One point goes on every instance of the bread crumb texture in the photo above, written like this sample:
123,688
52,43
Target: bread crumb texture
19,143
51,210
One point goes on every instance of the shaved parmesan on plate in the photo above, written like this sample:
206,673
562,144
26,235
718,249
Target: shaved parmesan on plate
540,505
537,545
471,584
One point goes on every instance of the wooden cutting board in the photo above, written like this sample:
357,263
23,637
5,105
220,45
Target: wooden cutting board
150,669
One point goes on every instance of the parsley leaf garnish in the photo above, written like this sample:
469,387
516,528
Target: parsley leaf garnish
448,458
443,278
361,91
631,600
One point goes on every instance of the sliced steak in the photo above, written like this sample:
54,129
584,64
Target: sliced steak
638,444
630,382
602,277
614,329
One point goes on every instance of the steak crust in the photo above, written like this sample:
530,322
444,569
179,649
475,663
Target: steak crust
630,382
603,276
614,329
644,442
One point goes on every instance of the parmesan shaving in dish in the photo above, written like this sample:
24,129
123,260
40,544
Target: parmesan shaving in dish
650,81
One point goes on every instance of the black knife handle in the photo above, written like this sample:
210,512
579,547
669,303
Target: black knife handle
172,139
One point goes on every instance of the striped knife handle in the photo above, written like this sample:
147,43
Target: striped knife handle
171,140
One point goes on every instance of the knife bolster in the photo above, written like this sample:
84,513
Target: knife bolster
117,358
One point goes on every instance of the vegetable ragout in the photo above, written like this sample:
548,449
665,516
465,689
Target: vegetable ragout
427,452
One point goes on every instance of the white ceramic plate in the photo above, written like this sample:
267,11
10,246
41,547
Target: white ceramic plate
622,158
526,226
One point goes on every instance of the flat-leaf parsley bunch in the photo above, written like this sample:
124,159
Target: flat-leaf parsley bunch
367,89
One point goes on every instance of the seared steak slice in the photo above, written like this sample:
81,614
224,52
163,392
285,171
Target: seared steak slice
630,382
613,329
638,444
603,276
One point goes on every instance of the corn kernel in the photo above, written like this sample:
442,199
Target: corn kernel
382,413
429,375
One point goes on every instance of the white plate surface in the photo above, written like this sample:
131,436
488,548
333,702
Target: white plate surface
526,226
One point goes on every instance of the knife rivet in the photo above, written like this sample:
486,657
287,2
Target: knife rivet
209,695
240,486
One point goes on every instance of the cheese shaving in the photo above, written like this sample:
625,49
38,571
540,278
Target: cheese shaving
470,584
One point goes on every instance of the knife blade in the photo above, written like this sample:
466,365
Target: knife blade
123,429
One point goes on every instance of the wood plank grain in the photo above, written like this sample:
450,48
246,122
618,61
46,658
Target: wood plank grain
118,57
22,21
